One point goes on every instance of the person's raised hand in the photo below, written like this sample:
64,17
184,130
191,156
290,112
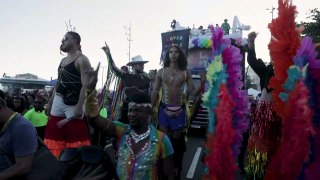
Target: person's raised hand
90,78
252,36
106,49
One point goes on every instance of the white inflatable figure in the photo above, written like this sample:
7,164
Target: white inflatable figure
195,32
235,25
208,32
178,27
236,30
175,25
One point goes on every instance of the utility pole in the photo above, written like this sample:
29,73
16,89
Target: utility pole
128,36
271,11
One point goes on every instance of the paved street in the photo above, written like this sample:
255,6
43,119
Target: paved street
192,165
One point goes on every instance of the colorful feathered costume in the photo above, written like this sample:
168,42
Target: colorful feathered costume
226,104
292,97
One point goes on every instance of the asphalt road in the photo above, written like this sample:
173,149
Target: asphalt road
192,165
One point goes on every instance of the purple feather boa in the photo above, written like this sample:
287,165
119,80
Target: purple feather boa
218,43
306,53
307,50
232,59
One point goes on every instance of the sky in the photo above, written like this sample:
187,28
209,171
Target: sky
31,31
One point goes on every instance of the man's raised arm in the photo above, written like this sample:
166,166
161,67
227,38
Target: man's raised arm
114,68
91,103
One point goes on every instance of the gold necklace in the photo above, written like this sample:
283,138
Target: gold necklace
70,59
7,123
171,74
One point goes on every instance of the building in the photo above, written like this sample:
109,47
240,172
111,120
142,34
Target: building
254,77
22,81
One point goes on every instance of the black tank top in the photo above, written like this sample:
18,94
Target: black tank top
68,78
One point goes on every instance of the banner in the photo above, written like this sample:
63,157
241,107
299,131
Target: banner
180,38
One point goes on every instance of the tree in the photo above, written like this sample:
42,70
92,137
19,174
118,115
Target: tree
312,28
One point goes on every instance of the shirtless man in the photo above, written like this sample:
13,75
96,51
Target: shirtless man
172,118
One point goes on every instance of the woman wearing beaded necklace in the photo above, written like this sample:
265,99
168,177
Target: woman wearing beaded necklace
141,147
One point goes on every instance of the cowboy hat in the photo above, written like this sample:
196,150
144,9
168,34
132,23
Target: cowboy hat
136,60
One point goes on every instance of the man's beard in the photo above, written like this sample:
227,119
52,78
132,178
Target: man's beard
64,49
138,71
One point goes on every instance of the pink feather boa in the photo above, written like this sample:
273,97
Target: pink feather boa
220,161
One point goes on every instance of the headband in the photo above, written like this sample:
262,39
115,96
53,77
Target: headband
139,104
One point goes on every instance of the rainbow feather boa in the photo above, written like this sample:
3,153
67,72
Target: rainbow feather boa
226,104
296,99
297,127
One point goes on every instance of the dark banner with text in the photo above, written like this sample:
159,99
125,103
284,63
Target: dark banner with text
180,38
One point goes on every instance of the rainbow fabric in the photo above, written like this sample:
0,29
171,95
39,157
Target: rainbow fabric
143,165
117,98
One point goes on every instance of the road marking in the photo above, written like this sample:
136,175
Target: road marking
194,163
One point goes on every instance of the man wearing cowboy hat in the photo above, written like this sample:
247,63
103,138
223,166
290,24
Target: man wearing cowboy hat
134,82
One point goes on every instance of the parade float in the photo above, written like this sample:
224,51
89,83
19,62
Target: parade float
221,56
197,45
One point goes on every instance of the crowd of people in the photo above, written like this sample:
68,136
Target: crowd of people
149,135
143,150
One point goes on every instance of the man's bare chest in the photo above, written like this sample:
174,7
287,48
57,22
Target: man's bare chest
174,78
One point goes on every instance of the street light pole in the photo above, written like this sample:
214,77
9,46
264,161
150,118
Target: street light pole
128,35
271,11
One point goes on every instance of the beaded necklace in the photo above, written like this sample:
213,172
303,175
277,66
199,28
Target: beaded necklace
131,145
139,137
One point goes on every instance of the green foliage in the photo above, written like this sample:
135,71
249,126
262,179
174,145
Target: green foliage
312,28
